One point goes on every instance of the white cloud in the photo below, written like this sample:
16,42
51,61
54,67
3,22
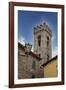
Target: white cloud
32,49
53,38
21,40
54,51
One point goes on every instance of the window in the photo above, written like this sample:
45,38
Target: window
47,38
39,55
47,41
33,65
33,76
39,40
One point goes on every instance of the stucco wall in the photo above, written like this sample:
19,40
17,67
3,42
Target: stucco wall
50,70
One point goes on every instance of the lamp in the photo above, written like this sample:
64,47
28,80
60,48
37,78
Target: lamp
27,48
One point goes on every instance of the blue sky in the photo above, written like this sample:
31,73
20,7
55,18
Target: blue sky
29,19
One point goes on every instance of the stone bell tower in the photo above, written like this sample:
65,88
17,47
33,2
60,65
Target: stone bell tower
42,42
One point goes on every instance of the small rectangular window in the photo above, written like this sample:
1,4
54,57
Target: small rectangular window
33,65
39,40
33,76
47,41
47,38
39,55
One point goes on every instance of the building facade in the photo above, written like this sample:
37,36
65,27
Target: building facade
31,66
28,66
42,42
51,68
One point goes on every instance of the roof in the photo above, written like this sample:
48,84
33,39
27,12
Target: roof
52,59
31,53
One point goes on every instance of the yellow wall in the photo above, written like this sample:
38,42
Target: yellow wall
50,70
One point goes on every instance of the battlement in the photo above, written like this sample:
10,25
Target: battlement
41,27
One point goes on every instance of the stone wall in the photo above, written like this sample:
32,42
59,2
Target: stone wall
25,69
44,31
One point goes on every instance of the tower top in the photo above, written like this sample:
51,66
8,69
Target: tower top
42,27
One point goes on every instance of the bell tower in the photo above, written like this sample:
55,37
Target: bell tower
42,42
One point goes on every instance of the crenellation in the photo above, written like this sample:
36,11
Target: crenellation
43,26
